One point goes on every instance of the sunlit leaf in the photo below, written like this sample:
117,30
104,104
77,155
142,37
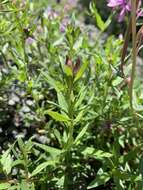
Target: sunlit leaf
57,116
100,180
4,186
42,166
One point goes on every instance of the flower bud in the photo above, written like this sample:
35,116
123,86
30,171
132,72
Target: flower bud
77,66
69,62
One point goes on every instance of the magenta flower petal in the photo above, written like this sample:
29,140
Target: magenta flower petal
124,6
121,15
114,3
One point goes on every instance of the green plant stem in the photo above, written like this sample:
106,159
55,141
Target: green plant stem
134,51
68,155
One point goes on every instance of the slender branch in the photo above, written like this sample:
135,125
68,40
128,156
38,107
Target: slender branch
134,51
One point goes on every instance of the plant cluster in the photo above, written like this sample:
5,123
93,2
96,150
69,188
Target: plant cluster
71,110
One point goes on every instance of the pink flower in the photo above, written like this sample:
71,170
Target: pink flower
124,6
51,13
115,3
64,24
30,40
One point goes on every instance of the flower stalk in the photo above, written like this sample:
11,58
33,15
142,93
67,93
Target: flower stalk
134,49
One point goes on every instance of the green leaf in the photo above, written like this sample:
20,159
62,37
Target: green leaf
22,75
62,102
81,134
117,81
57,116
81,70
58,136
4,2
97,154
54,152
67,70
100,180
4,186
29,145
24,185
131,154
136,104
21,144
15,187
127,176
79,117
42,166
81,96
107,23
99,21
60,181
6,161
78,44
56,85
18,162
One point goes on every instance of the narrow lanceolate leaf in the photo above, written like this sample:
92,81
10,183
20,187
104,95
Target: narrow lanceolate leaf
81,70
17,162
52,151
99,21
4,186
97,154
52,82
62,102
57,116
4,2
79,117
81,134
100,180
42,167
